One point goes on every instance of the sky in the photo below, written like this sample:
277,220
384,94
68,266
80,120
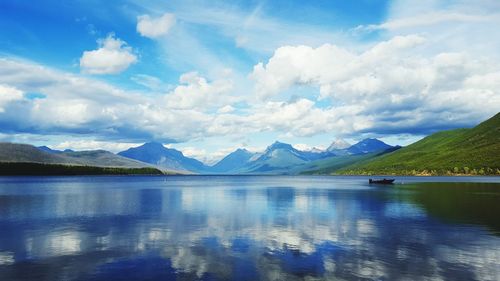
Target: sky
207,77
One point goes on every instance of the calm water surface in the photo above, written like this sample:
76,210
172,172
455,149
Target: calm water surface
248,228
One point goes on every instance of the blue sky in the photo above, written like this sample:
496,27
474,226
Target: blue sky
210,76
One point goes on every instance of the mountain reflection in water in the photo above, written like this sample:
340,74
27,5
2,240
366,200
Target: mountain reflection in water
246,228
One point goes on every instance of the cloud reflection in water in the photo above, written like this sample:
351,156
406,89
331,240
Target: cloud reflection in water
239,228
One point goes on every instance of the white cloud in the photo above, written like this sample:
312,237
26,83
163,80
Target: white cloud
93,145
77,105
207,156
431,18
294,65
226,109
113,56
70,113
389,88
301,118
155,27
196,92
196,109
306,147
396,86
392,87
195,152
7,95
454,26
151,82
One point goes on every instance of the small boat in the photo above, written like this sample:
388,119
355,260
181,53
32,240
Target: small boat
382,181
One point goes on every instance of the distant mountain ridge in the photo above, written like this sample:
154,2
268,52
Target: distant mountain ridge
15,152
368,146
157,154
50,150
233,161
277,158
281,157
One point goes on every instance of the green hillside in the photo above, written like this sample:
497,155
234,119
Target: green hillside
474,151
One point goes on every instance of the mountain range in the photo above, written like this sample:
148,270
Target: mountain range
462,151
168,158
278,158
233,161
283,158
24,159
14,152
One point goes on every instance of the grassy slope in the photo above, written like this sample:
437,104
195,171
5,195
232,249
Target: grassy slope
462,151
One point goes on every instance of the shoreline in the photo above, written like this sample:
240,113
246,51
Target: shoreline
56,169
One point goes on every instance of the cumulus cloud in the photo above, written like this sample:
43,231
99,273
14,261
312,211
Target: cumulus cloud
389,88
392,87
302,118
196,92
293,65
8,94
195,109
226,109
78,105
93,145
155,27
113,56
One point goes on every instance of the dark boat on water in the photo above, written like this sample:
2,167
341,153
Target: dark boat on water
382,181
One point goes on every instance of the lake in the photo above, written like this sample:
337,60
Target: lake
248,228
